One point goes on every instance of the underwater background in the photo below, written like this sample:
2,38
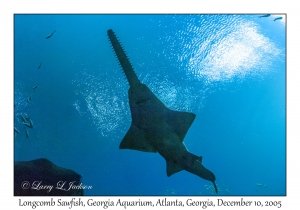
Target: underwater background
230,70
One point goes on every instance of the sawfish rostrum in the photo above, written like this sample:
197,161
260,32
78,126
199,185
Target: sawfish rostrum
156,128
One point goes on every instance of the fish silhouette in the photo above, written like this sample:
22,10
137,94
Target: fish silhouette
156,128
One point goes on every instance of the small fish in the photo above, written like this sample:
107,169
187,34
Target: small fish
279,18
27,118
27,133
47,37
16,130
258,184
35,87
28,125
39,66
29,99
23,118
267,15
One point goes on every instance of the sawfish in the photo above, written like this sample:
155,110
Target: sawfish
156,128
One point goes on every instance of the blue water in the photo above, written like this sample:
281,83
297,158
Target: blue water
229,70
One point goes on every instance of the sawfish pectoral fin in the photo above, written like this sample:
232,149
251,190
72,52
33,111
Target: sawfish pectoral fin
180,122
135,139
173,168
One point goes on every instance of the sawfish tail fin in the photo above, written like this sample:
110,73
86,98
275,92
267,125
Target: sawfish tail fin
215,186
193,164
123,59
206,174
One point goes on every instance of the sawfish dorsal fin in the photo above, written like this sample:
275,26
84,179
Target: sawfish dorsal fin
200,159
135,139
